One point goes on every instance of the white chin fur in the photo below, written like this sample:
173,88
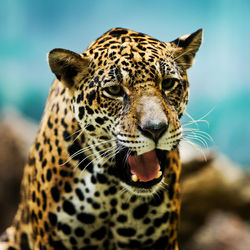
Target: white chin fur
143,191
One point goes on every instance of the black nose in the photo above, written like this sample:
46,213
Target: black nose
154,129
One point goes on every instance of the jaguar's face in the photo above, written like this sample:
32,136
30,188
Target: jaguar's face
131,89
144,121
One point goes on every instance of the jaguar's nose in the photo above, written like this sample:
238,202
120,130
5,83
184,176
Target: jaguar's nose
154,129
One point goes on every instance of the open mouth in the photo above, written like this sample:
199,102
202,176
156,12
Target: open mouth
142,171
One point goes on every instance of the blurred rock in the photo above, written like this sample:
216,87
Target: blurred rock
222,231
16,135
208,186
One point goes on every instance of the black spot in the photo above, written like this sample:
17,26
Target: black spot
96,205
122,218
46,226
91,96
113,202
48,175
97,194
157,222
33,216
64,173
44,163
68,207
118,32
126,232
101,178
89,167
40,215
134,244
91,84
33,196
133,198
41,155
50,125
96,80
140,211
79,194
113,211
81,112
31,161
103,215
66,135
90,128
96,55
99,234
65,125
170,192
59,150
79,232
112,190
24,242
161,243
80,96
66,229
89,200
60,161
89,110
55,194
37,145
73,241
53,159
125,206
67,187
86,218
52,218
38,202
44,200
56,244
99,120
146,221
93,179
73,148
165,217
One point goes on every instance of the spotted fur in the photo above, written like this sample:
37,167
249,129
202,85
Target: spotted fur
123,96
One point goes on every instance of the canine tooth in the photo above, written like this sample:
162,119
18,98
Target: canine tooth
158,175
134,178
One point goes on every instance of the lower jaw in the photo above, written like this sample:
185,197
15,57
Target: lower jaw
150,191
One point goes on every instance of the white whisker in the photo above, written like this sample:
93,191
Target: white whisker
196,147
82,150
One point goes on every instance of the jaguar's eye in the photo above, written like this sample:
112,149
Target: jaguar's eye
169,83
115,90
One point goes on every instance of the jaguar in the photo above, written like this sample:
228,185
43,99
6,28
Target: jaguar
104,169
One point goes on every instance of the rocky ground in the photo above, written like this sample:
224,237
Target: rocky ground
215,191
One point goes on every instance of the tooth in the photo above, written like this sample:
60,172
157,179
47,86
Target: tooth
134,178
158,175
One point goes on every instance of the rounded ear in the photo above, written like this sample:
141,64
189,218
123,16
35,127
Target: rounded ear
186,47
69,67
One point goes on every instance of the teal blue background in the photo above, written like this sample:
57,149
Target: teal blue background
220,78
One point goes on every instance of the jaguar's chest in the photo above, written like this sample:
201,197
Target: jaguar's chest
102,215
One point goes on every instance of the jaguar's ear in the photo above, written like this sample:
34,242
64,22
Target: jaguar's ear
186,47
69,67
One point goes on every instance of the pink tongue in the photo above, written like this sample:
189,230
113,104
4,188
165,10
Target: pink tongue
145,166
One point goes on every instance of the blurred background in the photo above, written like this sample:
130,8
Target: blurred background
220,79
